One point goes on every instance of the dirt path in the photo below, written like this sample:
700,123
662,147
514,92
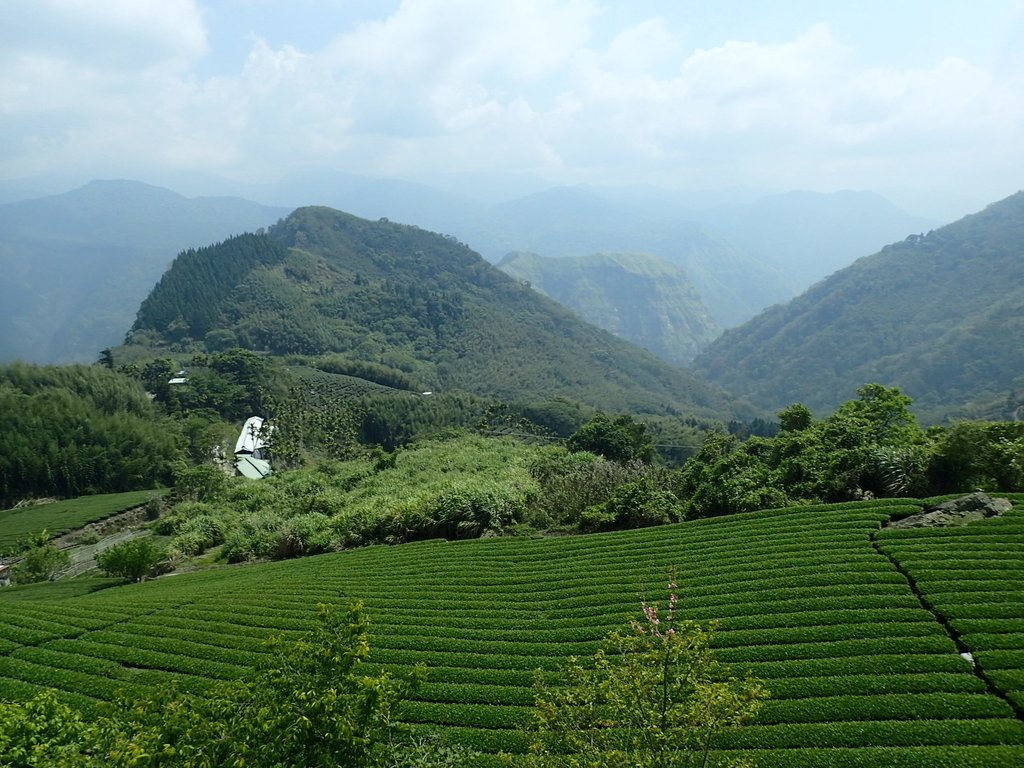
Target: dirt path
83,556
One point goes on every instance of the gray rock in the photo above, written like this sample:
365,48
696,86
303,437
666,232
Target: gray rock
966,509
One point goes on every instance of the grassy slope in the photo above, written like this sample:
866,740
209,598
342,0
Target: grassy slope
860,673
16,525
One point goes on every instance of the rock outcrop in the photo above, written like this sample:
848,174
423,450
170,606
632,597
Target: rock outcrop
966,509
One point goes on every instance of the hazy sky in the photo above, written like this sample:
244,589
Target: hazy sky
786,94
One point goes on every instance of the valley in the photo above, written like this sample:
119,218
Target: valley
500,484
556,384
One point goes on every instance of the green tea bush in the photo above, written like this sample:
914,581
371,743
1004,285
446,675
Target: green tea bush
856,665
923,706
881,733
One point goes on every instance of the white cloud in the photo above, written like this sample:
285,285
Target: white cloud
794,113
426,40
456,85
116,34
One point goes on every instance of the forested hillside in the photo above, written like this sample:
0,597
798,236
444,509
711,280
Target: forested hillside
939,315
322,282
78,429
75,266
638,297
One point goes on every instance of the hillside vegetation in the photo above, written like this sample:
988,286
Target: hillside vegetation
936,315
78,430
860,671
606,476
638,297
322,282
56,517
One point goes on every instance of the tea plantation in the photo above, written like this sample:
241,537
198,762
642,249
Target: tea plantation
817,601
17,525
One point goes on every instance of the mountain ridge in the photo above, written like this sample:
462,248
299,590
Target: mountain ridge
935,314
325,282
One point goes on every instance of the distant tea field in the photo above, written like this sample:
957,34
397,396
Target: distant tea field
58,517
857,631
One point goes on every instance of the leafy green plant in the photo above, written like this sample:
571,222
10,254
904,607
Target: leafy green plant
654,696
633,505
313,704
199,483
571,483
42,562
620,439
44,732
133,559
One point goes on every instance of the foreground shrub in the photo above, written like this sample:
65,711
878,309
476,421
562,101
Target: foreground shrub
133,559
653,696
312,705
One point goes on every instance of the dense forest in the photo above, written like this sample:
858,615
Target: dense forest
76,430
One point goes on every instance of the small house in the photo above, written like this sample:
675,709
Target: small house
251,449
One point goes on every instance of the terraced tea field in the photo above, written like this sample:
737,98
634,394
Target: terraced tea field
861,672
16,525
973,579
320,385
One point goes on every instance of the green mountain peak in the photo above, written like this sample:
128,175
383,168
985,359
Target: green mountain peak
325,282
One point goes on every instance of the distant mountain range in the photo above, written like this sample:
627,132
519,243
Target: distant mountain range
742,250
78,263
641,298
940,315
742,253
75,266
808,235
398,296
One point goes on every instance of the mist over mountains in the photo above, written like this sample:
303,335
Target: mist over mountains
78,263
642,298
75,266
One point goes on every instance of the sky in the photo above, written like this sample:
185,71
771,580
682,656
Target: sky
687,94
